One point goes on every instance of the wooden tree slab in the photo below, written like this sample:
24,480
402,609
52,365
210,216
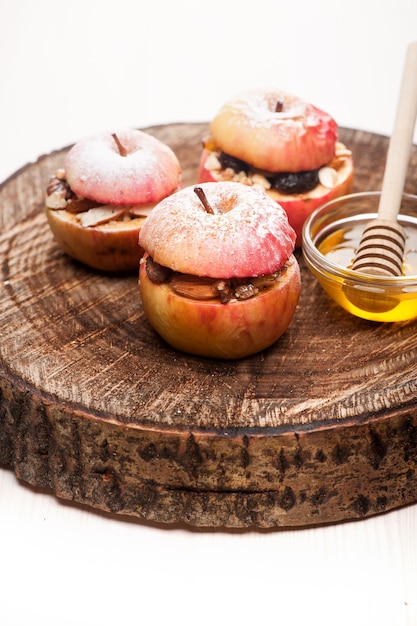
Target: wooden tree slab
322,427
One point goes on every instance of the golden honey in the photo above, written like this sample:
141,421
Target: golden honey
330,239
339,247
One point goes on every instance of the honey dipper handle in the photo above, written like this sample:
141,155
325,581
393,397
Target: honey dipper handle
401,140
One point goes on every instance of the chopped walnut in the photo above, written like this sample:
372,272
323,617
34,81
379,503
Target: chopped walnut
248,290
55,200
327,174
205,288
212,162
261,181
224,291
59,196
58,192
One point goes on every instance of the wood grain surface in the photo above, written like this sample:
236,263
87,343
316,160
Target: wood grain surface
94,406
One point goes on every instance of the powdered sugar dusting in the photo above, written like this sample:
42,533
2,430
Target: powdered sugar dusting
292,139
258,108
95,169
253,237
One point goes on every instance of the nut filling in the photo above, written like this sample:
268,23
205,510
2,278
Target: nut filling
205,288
226,167
60,197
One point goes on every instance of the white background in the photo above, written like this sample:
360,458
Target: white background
69,69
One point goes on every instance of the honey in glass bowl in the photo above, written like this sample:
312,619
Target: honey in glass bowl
330,238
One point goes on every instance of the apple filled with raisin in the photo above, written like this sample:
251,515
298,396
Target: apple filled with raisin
218,278
289,147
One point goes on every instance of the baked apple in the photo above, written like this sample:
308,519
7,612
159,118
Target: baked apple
285,145
218,277
97,203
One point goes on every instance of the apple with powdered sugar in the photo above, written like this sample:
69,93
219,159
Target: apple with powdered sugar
219,278
97,203
289,147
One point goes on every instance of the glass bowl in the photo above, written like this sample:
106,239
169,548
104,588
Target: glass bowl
330,237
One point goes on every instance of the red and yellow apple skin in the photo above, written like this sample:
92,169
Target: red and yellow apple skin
125,173
111,247
297,206
147,171
275,131
224,331
247,234
231,234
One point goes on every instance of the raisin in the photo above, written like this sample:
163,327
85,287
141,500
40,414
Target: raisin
295,182
157,273
237,165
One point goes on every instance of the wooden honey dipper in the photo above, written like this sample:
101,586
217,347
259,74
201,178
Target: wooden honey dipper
381,248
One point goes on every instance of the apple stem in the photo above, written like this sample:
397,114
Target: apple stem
202,196
120,147
279,106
